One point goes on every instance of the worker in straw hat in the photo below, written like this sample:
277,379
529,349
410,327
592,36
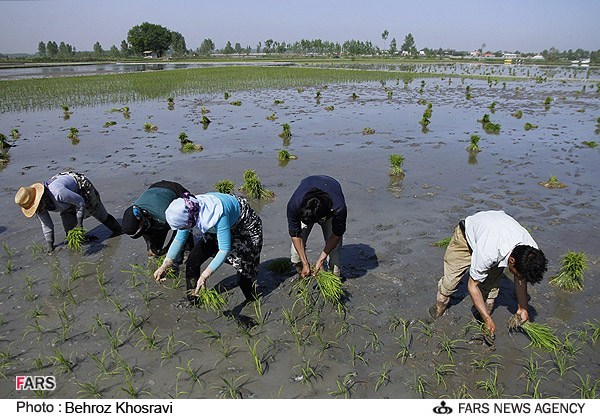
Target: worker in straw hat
73,196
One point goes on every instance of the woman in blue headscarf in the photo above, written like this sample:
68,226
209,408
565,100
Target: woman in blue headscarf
231,233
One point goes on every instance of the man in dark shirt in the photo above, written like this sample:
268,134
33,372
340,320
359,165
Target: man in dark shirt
146,217
318,199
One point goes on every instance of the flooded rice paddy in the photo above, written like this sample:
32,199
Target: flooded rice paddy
100,323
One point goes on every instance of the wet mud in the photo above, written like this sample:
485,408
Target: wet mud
56,319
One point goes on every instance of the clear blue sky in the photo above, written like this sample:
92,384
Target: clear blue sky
509,25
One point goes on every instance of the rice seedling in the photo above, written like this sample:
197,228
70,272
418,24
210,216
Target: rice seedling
487,362
571,274
75,239
396,161
109,123
426,330
62,364
103,364
236,103
256,357
225,186
35,327
488,126
560,360
37,363
116,303
318,95
547,101
253,187
280,266
149,127
473,146
134,320
284,156
286,131
595,328
389,94
368,131
441,371
205,121
226,95
193,375
191,147
344,386
308,372
354,96
586,389
383,378
424,122
532,371
271,117
569,346
329,108
552,183
330,287
4,156
448,346
149,339
468,94
529,126
172,348
461,393
541,336
518,114
490,385
419,385
131,390
591,144
444,242
117,339
73,133
8,267
89,389
492,106
170,102
261,318
211,300
211,334
14,133
354,355
231,389
5,360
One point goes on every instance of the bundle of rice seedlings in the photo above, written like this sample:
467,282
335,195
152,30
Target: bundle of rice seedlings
211,300
570,275
330,287
396,161
280,266
225,186
444,242
76,238
286,132
284,155
552,183
253,187
541,336
473,146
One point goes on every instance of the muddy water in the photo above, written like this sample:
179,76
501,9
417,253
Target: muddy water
390,267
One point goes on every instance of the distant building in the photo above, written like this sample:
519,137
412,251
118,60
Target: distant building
537,57
150,54
508,55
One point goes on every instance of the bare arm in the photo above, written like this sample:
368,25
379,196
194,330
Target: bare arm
479,303
521,293
330,244
299,246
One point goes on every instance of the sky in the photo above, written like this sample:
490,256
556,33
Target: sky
502,25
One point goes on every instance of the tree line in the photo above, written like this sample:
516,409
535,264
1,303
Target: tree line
159,40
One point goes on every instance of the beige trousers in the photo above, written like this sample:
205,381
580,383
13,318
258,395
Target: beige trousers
457,261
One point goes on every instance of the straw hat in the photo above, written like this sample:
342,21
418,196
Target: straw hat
29,198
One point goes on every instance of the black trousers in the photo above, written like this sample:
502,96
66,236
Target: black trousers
202,251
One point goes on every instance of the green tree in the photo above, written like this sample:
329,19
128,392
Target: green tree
228,48
178,44
114,51
124,48
42,49
238,48
63,50
149,37
268,44
409,45
206,47
52,48
98,50
258,47
384,36
393,47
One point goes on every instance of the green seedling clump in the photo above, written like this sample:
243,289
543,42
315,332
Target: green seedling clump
148,127
541,336
570,275
14,133
187,145
548,101
330,287
225,186
73,133
444,242
591,144
210,299
473,147
518,114
280,266
286,132
528,126
253,187
284,155
368,131
488,126
552,183
76,238
396,161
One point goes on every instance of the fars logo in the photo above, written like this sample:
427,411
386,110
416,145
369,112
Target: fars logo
35,383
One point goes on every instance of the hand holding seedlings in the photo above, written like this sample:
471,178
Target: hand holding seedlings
161,272
202,281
